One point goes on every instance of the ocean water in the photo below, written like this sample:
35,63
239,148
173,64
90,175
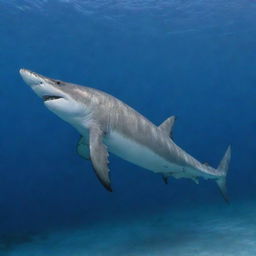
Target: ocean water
193,59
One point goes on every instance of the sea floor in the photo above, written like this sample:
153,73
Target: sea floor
216,230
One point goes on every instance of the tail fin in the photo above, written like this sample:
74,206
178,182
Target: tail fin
223,167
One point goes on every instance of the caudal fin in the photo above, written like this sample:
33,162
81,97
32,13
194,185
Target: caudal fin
223,168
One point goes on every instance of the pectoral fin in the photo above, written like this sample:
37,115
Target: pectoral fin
83,148
99,156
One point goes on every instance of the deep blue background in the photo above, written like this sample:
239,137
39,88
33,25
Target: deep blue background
196,60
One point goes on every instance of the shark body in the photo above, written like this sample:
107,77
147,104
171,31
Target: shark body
106,124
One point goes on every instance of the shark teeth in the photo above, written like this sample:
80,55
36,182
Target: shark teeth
50,97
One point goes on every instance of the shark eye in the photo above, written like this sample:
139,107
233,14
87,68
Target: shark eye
57,82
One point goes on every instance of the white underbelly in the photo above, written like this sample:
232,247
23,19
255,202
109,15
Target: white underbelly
137,154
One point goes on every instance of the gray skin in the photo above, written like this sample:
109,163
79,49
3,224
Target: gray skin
106,124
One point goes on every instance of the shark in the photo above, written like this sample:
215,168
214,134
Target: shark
108,125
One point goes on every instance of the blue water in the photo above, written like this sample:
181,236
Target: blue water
192,59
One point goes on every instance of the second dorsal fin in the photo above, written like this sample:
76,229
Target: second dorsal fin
167,125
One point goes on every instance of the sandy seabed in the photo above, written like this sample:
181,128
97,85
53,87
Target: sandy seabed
216,230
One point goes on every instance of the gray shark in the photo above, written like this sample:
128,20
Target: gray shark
106,124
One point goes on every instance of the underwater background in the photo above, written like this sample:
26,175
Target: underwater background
193,59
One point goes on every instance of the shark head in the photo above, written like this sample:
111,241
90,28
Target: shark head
59,97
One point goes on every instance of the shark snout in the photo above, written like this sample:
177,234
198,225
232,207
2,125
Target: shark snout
43,87
31,78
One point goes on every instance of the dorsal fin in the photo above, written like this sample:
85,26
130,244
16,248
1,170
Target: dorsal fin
165,178
167,125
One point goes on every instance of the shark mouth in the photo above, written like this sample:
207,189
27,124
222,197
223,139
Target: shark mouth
50,97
